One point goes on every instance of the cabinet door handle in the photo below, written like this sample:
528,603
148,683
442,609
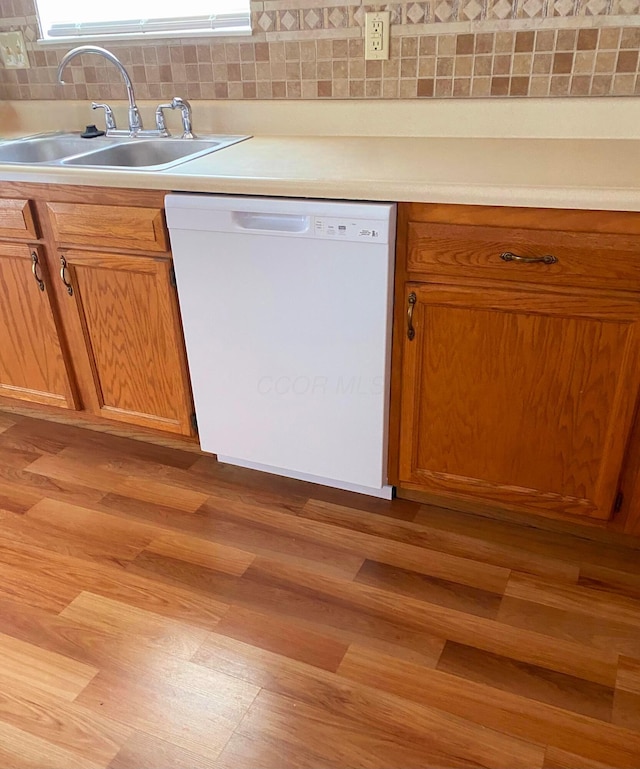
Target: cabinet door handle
63,275
508,256
411,332
34,270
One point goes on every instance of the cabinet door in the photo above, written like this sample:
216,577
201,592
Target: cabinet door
32,364
128,313
521,398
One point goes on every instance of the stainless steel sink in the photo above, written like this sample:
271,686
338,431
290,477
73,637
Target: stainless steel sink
44,149
154,154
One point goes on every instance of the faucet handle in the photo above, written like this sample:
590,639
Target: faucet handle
185,108
109,119
161,126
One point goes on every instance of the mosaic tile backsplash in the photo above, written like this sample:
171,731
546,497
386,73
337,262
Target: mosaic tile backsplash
306,49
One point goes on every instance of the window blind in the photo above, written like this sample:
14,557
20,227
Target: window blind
79,18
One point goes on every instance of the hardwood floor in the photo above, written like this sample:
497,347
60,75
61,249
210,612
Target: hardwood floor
161,611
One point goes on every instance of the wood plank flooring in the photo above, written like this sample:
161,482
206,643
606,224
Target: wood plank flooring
161,611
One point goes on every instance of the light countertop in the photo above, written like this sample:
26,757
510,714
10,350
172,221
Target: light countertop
559,173
593,173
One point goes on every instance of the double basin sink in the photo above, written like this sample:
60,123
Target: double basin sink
142,154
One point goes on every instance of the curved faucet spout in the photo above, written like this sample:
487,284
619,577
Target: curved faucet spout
135,123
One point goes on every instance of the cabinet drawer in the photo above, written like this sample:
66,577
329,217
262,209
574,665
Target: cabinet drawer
587,259
16,219
137,229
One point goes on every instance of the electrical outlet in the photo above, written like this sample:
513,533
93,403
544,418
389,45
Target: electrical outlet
376,35
12,50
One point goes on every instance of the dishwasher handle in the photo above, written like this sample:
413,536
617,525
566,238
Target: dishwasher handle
250,220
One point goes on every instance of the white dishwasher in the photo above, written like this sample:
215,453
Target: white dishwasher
286,306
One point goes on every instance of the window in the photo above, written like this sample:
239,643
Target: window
81,19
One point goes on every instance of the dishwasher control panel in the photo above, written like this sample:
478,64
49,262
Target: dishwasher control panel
359,230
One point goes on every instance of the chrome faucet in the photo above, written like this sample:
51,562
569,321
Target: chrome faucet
135,122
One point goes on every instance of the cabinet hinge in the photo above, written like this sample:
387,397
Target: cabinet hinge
194,422
172,277
618,502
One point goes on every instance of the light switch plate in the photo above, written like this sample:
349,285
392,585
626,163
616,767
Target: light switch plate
12,50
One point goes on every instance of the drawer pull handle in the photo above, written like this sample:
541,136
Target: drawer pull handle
34,270
508,256
411,332
63,275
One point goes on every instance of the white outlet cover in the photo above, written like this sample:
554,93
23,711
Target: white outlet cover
376,35
13,51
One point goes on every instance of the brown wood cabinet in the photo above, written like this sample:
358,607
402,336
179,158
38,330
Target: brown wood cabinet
515,383
126,310
32,365
16,219
132,228
90,312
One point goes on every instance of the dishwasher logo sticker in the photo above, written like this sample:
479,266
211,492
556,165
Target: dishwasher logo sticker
321,385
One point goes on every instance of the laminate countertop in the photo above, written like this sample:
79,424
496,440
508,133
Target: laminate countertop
558,173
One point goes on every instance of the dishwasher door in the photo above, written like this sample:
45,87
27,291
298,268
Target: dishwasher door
286,307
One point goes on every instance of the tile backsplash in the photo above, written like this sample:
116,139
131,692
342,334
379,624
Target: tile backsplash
308,49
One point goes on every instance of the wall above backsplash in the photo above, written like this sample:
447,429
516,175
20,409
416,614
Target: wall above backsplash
309,49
